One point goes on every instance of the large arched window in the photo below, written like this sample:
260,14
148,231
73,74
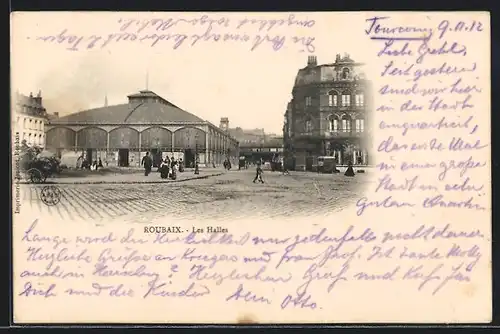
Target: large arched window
333,123
345,123
60,137
346,99
332,98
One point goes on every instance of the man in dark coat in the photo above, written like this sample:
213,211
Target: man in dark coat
258,175
147,162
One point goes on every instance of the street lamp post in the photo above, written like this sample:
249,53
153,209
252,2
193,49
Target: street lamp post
188,135
196,168
157,152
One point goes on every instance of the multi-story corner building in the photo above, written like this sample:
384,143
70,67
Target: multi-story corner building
328,115
29,119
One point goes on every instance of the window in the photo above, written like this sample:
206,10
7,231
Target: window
345,73
333,124
346,125
308,126
332,100
40,139
360,125
346,100
24,123
359,100
308,100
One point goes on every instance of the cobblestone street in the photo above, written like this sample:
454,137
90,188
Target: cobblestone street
231,195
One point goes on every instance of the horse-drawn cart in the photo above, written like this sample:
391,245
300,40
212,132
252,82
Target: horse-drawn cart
38,165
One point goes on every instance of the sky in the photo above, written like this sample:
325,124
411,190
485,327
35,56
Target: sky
210,79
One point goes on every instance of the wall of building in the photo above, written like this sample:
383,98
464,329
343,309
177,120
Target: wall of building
211,144
30,117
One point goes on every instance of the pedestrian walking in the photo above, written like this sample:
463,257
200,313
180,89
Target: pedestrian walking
258,174
285,170
147,162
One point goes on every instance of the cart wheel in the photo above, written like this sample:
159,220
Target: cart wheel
35,175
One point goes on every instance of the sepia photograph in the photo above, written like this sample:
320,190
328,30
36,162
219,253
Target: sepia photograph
234,168
306,153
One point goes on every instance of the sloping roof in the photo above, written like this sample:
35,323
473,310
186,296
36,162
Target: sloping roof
129,113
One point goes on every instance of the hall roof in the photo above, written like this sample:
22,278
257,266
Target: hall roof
143,107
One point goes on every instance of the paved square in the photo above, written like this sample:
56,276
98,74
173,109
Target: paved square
232,195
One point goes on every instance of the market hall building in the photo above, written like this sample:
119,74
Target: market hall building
120,135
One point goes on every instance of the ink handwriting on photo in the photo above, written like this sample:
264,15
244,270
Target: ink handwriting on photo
114,265
292,30
428,69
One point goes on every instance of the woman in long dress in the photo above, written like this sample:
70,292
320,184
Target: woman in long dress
350,171
164,169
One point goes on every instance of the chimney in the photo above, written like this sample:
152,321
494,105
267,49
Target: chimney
38,98
56,114
312,61
224,123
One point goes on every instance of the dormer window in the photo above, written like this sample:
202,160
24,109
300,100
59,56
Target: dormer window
345,73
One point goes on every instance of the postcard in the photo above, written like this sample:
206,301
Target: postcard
235,168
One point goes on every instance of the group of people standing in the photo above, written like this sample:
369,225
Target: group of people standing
168,167
82,163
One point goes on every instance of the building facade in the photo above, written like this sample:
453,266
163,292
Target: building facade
120,135
329,115
269,150
258,146
29,119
